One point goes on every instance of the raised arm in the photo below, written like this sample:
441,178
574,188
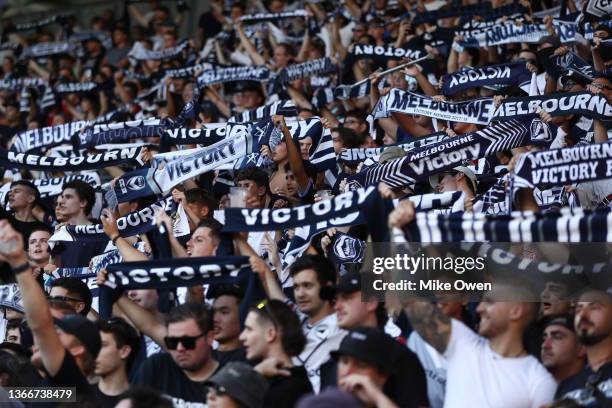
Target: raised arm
295,159
128,252
426,318
35,303
248,45
259,266
144,320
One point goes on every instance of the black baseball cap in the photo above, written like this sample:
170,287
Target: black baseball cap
370,345
84,330
242,383
349,283
330,398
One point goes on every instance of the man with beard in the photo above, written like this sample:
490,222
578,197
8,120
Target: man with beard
592,387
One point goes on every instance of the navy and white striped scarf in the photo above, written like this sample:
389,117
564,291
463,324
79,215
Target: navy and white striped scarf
384,52
10,159
357,155
75,87
229,74
566,225
514,73
319,66
262,17
505,33
117,132
477,111
447,154
132,224
284,107
48,136
560,167
208,135
49,48
168,274
140,53
558,104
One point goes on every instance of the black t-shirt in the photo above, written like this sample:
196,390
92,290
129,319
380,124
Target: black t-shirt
285,392
588,388
160,372
224,357
6,134
24,227
106,401
407,387
69,375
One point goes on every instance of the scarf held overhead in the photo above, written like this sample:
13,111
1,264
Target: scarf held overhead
139,52
169,274
447,154
48,136
160,181
515,73
559,167
132,224
117,132
564,226
247,219
109,158
220,75
582,103
477,111
210,134
505,33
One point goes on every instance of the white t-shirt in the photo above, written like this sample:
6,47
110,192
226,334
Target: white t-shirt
478,377
435,366
321,338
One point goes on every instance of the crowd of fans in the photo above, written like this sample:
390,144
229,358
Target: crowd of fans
297,329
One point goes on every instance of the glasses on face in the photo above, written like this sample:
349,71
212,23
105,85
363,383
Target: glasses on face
189,342
351,121
63,299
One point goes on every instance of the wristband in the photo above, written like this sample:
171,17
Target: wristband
22,268
114,240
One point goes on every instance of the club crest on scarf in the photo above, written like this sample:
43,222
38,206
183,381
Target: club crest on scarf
348,249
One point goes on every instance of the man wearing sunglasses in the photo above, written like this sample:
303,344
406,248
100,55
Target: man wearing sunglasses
72,291
189,363
460,178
